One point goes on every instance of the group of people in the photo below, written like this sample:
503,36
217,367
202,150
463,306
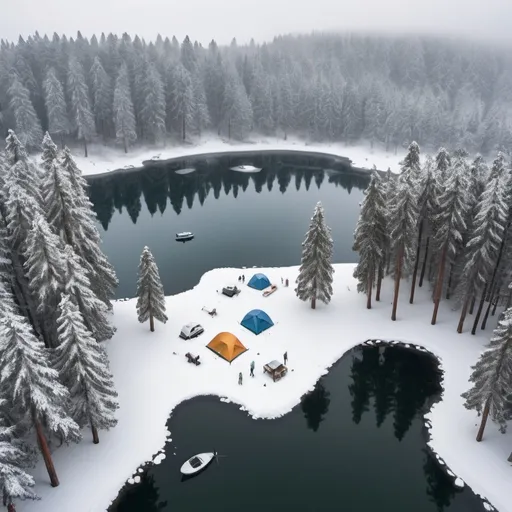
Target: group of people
241,377
285,281
241,278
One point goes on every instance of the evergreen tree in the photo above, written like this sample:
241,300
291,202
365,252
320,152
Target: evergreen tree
182,100
153,106
450,222
485,242
316,271
26,121
32,386
102,94
150,292
83,365
201,117
370,238
124,117
15,458
80,103
56,109
236,107
491,393
403,218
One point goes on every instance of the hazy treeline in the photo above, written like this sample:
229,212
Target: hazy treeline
324,87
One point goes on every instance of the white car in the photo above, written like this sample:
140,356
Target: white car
190,331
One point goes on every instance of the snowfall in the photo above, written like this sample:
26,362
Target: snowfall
103,159
153,376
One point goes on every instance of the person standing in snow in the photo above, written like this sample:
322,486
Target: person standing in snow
240,378
252,368
285,357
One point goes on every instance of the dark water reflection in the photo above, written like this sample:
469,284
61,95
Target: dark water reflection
356,443
239,219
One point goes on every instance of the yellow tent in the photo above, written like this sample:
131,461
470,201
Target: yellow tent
227,346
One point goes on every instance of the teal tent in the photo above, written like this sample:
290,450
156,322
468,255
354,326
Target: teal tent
257,321
259,282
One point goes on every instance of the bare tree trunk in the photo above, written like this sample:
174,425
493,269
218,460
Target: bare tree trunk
47,456
379,281
472,305
183,128
125,145
479,312
85,148
485,415
450,277
398,276
11,507
463,314
488,309
439,284
95,436
369,293
416,263
151,322
229,128
424,265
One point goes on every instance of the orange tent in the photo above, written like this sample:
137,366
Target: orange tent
227,346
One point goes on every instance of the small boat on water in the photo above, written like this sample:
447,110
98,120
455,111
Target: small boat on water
197,463
246,168
184,236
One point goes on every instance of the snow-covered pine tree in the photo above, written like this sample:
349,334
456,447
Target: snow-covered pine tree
44,269
201,117
427,206
83,366
15,458
315,278
56,108
124,117
486,240
77,285
153,106
86,238
32,387
449,222
102,94
403,218
26,121
181,108
370,238
236,107
150,292
491,393
80,103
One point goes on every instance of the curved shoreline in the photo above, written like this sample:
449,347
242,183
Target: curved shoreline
212,154
457,481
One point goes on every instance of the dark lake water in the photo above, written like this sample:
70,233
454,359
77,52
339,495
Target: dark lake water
356,443
238,219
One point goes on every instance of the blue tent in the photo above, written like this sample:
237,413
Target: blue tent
259,282
257,321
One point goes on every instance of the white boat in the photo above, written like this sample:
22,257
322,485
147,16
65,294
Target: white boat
246,168
197,463
185,235
188,170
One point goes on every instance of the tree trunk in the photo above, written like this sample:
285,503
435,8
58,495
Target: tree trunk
509,300
439,284
47,456
369,293
313,299
183,128
488,309
416,263
95,436
125,145
62,141
424,265
463,314
450,277
496,302
485,415
479,312
85,148
398,276
472,305
379,281
229,128
151,322
11,507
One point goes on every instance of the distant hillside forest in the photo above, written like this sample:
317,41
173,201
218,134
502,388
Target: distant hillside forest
386,90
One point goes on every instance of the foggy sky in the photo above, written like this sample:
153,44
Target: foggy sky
222,20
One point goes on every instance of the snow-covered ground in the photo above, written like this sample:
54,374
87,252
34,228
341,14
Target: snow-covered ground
152,376
104,159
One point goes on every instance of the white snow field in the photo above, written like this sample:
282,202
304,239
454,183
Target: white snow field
102,159
153,376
